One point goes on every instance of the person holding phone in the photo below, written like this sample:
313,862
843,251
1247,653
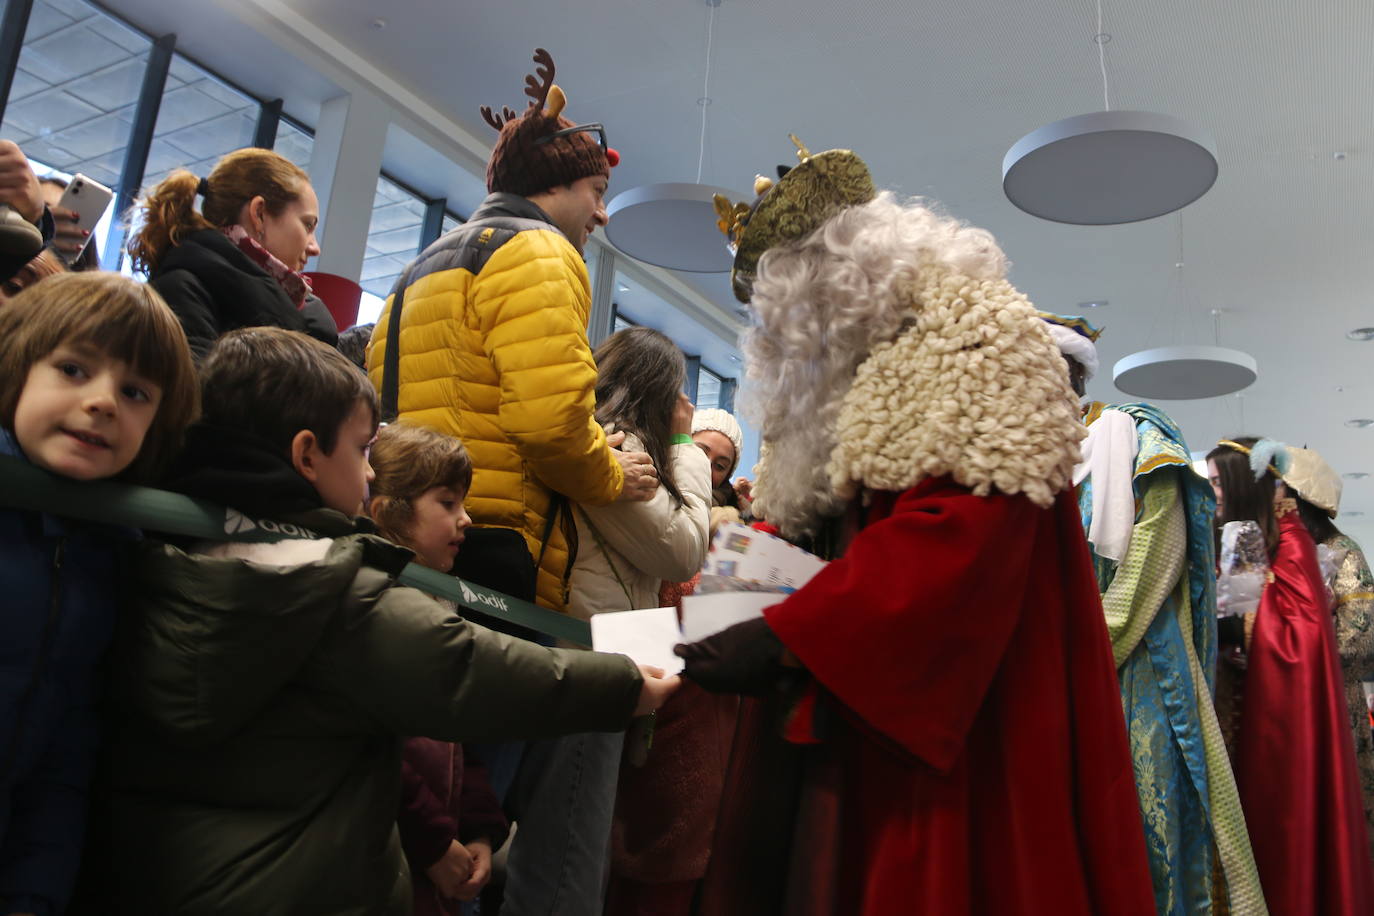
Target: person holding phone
69,241
237,261
71,244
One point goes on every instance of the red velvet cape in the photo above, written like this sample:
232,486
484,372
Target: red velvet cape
1295,761
987,768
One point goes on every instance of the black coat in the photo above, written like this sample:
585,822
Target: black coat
213,288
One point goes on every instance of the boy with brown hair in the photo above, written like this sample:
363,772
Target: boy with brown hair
264,686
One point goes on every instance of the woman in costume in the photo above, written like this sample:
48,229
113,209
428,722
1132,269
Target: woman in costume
1149,518
962,738
1294,758
1317,489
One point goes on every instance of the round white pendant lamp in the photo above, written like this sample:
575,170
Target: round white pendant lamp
1184,373
673,224
1109,167
670,225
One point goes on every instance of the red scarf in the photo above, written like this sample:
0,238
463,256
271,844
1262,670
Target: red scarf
295,286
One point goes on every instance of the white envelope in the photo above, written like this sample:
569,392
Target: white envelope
703,615
647,636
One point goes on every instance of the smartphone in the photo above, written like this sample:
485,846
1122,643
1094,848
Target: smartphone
89,199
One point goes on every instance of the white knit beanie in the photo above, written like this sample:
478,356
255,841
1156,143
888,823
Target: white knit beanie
720,421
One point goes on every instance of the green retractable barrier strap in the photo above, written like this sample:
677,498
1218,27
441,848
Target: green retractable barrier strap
23,486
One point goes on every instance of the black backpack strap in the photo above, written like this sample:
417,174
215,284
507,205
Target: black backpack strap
391,362
473,256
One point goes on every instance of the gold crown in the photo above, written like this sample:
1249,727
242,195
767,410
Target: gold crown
790,209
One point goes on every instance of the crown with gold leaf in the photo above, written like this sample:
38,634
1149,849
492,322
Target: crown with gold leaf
793,207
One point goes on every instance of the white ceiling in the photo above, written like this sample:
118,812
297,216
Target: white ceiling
932,95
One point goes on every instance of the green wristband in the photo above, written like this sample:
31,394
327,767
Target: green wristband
682,439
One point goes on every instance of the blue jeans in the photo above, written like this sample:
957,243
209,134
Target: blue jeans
562,796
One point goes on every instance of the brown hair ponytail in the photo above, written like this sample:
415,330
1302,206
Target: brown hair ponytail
168,212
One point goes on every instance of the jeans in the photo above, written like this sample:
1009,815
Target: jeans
562,797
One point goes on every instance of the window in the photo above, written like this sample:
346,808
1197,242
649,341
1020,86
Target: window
450,223
708,388
201,118
71,108
393,238
619,322
294,143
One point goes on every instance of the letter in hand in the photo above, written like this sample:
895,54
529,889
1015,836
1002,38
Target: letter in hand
452,871
641,477
655,690
746,658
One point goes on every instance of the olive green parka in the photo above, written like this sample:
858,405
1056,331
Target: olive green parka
262,692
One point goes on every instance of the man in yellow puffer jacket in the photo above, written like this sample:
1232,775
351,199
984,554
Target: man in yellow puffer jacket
493,337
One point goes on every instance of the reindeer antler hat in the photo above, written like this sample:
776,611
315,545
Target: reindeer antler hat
791,208
539,148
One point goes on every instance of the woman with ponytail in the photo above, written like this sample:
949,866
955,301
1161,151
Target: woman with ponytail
1294,758
236,261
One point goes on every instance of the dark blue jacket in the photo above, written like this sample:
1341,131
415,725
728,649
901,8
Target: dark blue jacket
57,612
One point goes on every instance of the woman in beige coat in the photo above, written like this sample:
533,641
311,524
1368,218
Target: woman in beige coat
626,550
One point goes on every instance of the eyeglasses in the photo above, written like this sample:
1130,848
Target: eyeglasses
576,129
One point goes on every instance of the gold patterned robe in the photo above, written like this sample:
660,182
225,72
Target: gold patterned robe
1354,590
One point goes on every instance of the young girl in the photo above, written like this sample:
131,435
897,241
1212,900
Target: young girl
1294,759
450,820
98,383
626,550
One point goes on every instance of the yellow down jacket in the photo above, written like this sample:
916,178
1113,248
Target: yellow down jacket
493,350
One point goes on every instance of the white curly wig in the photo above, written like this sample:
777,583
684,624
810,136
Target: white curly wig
824,305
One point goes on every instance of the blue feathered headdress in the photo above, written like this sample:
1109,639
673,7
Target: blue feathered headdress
1265,455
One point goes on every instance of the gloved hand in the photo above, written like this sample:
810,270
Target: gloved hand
745,658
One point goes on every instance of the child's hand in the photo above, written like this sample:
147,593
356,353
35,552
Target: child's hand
452,870
655,690
481,870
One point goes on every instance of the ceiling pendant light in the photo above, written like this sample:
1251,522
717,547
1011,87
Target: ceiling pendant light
1109,167
1186,372
673,224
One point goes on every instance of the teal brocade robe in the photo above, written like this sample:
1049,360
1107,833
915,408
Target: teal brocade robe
1162,620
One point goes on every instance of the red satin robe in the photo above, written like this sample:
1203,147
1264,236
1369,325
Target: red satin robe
983,764
1295,762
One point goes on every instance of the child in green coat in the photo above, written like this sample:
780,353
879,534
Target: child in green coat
264,686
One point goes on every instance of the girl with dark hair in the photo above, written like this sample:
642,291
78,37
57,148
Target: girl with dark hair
1294,760
236,261
625,550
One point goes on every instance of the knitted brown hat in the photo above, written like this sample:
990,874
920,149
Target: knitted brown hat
520,163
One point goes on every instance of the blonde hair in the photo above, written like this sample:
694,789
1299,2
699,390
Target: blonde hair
168,214
118,316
